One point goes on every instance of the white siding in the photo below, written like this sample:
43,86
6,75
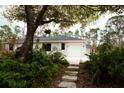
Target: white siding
57,46
75,49
74,52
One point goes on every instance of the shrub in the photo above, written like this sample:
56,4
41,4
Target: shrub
6,54
58,58
13,74
33,74
37,72
107,64
41,57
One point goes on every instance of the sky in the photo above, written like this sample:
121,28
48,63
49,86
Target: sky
100,23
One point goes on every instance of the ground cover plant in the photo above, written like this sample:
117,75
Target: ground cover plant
38,72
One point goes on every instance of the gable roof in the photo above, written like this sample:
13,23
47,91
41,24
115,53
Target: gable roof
59,38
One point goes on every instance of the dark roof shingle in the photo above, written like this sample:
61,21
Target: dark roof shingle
60,37
51,38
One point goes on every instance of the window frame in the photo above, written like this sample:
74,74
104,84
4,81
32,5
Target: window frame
47,46
62,46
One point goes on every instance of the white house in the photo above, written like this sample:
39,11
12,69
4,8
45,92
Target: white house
73,48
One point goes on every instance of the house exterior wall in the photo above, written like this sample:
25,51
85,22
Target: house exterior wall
74,51
39,45
57,47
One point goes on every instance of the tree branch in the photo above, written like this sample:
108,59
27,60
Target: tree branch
54,20
40,15
45,22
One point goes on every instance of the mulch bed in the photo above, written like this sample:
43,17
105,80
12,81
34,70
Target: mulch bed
58,77
84,80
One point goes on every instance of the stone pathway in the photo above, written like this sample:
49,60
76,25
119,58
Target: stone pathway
70,77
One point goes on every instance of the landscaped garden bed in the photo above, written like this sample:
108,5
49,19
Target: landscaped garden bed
85,81
104,69
58,77
41,70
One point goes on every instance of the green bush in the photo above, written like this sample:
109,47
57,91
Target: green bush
37,72
41,57
14,74
58,58
107,64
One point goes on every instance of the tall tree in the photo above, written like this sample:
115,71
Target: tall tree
92,36
55,33
40,15
17,29
77,33
115,28
8,35
69,33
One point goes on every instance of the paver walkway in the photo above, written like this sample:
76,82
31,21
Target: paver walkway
70,77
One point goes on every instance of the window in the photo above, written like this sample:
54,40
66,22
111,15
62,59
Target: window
63,46
47,46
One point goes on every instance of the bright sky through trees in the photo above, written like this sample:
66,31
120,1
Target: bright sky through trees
100,23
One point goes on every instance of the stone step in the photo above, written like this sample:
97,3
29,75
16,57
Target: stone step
73,67
69,78
71,73
66,84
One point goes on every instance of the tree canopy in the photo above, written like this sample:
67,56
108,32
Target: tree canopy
65,15
115,29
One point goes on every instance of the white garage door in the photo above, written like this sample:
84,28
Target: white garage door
74,50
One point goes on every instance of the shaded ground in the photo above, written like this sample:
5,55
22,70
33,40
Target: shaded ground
84,80
58,77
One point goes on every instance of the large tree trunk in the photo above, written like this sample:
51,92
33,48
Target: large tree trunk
32,24
27,46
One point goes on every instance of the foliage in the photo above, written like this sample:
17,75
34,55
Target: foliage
114,27
5,33
107,64
59,58
69,33
8,35
6,54
13,74
66,16
37,72
77,33
63,14
59,14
